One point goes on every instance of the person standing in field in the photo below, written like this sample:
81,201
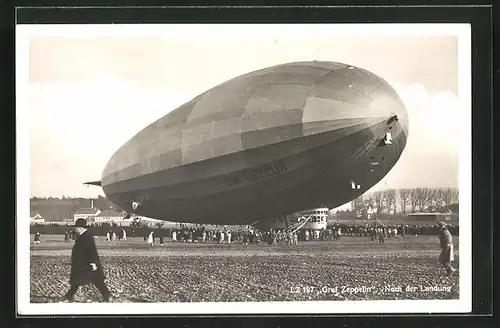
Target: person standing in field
381,236
86,266
150,239
446,244
274,237
290,237
36,240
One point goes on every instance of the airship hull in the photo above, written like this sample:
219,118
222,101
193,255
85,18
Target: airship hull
269,143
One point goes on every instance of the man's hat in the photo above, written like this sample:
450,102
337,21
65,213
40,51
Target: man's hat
81,223
442,224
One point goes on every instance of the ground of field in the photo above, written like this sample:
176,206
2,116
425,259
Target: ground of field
353,268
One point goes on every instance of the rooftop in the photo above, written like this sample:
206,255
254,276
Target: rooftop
427,214
110,214
87,211
450,208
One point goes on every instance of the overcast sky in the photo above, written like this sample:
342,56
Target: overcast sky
88,95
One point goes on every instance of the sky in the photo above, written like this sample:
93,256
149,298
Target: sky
88,95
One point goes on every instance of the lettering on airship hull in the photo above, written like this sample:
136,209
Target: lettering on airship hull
257,174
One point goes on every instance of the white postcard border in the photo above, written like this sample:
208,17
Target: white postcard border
24,307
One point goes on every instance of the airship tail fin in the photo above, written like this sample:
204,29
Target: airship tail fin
93,183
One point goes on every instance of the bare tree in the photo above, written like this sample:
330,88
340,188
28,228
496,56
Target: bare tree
404,198
450,196
421,194
394,195
378,201
390,201
425,198
357,205
414,199
361,204
368,202
434,199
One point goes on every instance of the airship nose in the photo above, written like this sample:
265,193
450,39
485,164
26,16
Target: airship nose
388,106
350,97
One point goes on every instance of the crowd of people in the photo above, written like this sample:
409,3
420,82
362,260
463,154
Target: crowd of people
220,236
395,229
152,234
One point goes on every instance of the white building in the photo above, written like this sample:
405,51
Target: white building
36,218
371,212
109,217
432,218
88,214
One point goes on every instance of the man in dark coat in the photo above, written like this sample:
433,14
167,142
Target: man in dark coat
37,238
446,243
86,267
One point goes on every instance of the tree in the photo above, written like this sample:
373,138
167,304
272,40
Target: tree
390,201
404,197
357,205
450,196
360,205
424,198
377,198
413,200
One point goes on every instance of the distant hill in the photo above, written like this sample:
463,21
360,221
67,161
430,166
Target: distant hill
57,209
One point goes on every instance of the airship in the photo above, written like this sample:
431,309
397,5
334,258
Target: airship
272,142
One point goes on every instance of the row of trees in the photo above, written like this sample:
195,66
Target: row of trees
389,202
404,201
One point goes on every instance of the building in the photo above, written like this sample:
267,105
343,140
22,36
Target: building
88,214
432,218
452,211
36,218
109,217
